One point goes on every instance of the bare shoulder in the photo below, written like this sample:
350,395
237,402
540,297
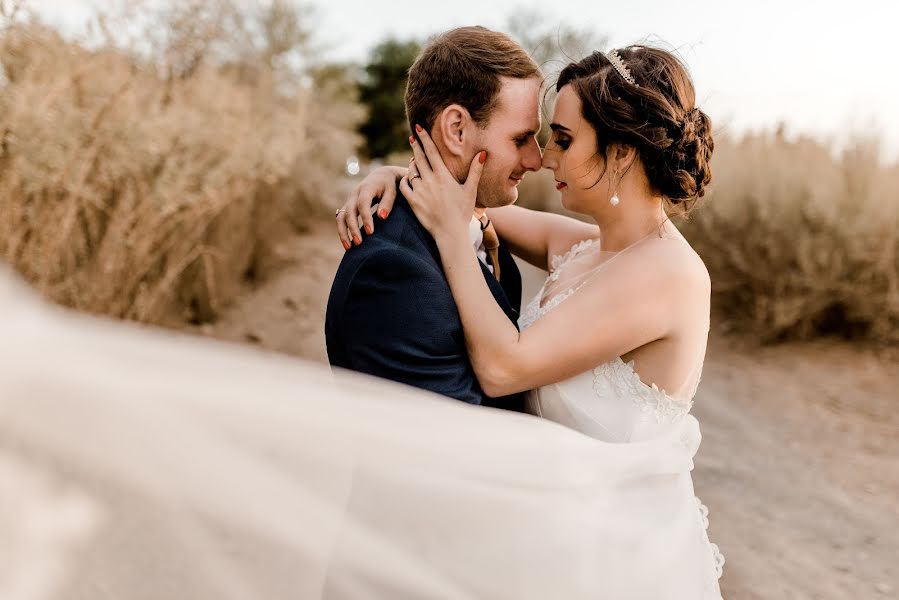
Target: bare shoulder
676,262
663,267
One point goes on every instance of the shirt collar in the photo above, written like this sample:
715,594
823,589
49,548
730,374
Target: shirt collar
475,233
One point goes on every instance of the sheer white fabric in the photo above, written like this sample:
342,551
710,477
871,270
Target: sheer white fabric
141,464
612,403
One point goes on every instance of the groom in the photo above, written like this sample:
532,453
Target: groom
391,313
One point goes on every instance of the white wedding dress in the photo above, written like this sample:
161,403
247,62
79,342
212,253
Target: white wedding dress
612,403
144,465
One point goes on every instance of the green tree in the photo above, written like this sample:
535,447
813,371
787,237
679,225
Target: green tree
381,91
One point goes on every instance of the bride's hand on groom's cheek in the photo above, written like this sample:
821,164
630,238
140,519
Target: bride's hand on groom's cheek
441,204
378,186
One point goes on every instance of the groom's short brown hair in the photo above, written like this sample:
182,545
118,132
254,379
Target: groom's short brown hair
464,66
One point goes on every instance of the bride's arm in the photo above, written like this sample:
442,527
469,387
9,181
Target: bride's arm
379,185
620,309
534,236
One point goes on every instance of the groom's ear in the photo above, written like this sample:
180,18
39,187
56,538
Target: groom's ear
452,129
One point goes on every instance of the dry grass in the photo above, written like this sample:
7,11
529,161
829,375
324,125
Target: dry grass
150,193
800,242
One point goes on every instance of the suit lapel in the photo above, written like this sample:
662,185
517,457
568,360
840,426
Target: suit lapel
505,265
499,294
511,277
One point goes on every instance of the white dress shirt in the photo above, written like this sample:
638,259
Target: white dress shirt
477,240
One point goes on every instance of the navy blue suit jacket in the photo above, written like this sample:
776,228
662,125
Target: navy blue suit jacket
391,313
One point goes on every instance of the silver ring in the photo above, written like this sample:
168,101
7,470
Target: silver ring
414,176
339,210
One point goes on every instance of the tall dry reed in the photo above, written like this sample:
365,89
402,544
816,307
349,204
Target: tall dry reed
148,193
802,242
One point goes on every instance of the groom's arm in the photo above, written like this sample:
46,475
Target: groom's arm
398,321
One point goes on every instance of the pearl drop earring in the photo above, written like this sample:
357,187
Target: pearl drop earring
615,200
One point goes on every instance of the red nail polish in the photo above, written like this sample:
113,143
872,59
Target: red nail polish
418,128
346,245
382,213
369,229
411,140
357,239
483,157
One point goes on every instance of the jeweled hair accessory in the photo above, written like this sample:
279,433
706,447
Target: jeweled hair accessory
622,69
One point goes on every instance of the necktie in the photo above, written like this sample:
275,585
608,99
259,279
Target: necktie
491,243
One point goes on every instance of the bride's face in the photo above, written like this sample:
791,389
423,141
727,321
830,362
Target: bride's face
572,157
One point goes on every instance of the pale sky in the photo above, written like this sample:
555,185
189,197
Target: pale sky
824,69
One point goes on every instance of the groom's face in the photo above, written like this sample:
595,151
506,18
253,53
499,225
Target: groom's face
510,140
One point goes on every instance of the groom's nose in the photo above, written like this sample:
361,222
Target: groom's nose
531,159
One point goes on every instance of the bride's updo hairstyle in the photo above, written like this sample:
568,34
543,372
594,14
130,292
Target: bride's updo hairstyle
654,112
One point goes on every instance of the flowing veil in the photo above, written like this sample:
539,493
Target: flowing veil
143,464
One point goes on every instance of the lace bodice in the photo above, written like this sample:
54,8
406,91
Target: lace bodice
535,309
610,402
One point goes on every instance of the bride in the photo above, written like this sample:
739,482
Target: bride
613,343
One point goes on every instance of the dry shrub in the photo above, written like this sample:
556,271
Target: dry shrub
150,193
800,242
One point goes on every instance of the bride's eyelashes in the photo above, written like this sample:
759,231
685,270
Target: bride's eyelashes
562,143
